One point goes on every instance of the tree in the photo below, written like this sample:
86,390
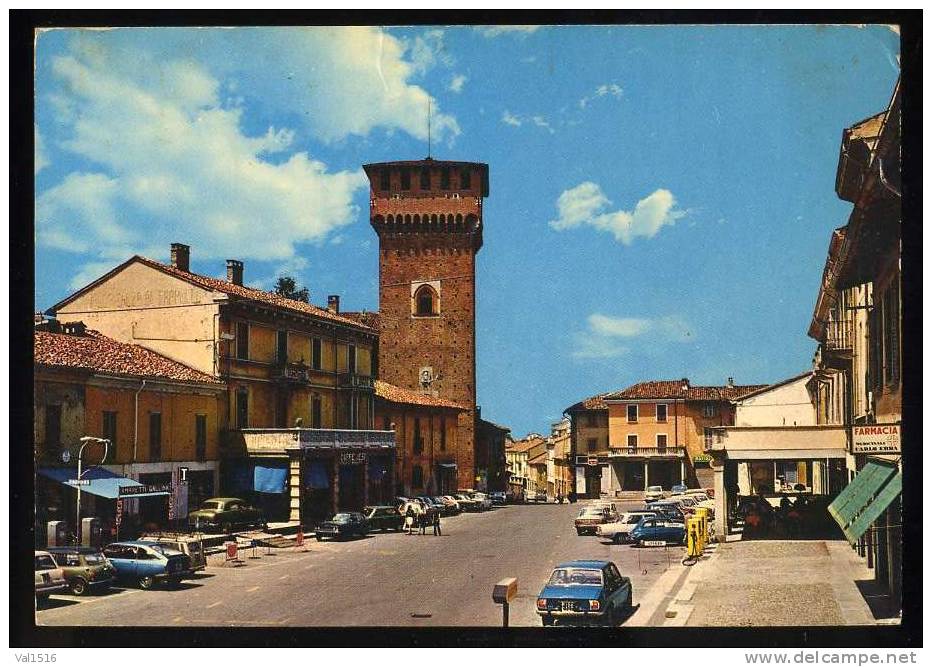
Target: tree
287,288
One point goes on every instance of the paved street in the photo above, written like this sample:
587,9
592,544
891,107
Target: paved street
384,579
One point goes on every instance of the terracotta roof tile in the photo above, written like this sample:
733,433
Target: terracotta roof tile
390,392
95,352
592,403
250,293
674,389
537,460
525,444
372,320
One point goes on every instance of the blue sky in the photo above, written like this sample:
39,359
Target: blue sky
661,197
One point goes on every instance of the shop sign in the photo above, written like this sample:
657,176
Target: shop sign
875,439
140,489
79,482
350,458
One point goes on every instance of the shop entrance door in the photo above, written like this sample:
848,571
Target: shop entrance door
351,488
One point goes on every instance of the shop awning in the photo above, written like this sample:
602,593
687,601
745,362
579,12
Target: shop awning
270,479
102,482
866,498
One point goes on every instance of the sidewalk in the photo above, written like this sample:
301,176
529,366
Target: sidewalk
771,583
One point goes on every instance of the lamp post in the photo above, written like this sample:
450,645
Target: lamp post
84,442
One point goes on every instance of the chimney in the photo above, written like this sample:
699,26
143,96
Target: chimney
685,383
333,303
235,271
181,256
731,383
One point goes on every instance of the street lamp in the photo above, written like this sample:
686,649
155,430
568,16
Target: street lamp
86,440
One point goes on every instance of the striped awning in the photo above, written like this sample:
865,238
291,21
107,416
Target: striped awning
866,498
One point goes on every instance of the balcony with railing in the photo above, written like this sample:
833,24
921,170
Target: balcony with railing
291,373
355,381
839,335
277,441
671,452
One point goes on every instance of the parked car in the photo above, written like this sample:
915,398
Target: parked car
678,488
498,497
587,592
592,516
430,505
190,545
343,525
618,531
652,529
467,504
454,502
670,511
49,577
485,503
147,563
540,496
384,517
686,503
447,507
653,493
225,515
84,568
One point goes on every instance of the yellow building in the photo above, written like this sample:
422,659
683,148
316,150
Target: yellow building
159,416
286,364
656,433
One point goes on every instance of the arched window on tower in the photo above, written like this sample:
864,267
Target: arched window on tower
426,301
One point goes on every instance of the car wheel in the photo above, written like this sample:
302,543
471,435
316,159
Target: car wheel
616,538
319,538
146,583
174,582
547,621
578,531
78,586
227,527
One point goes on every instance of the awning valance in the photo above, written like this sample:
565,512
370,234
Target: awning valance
103,483
866,498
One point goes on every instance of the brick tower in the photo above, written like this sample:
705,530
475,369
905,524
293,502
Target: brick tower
428,215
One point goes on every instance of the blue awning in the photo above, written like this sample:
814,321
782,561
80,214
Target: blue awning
103,483
270,479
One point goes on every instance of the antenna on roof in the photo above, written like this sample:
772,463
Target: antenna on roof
428,127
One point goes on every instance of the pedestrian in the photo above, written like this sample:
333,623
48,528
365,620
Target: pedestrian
437,524
425,517
409,519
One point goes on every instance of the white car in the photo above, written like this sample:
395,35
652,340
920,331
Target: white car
49,577
617,531
484,501
653,493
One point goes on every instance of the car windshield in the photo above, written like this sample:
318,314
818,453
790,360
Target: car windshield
572,576
212,505
655,488
94,559
342,518
592,511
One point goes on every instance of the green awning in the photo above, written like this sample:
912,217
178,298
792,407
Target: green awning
868,495
875,509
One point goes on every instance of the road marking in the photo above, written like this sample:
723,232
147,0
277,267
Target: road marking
250,590
211,606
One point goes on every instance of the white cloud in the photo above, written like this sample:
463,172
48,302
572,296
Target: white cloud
585,205
457,82
607,336
517,121
171,163
428,50
496,30
510,119
41,158
606,89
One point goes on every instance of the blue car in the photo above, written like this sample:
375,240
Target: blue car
587,592
148,563
654,529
